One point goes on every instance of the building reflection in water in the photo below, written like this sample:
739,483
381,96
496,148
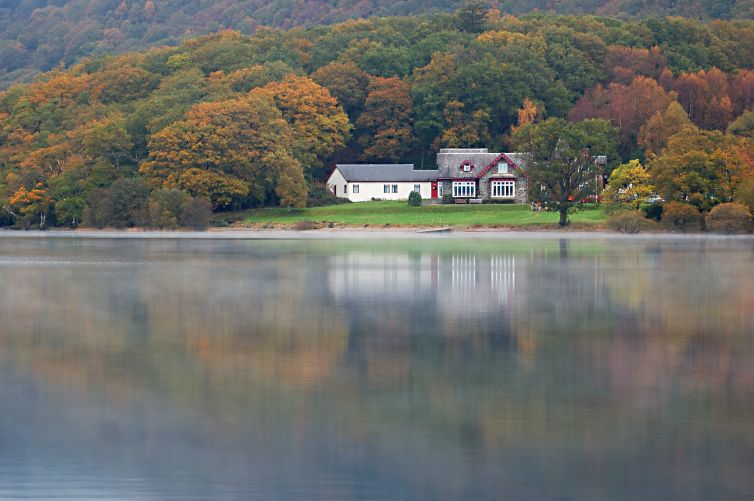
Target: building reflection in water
459,284
416,370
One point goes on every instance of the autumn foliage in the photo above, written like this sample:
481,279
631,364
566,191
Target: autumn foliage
245,121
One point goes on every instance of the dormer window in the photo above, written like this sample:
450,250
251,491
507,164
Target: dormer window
467,166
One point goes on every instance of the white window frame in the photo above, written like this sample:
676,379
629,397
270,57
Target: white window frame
503,188
386,188
502,167
355,189
418,188
395,188
439,188
464,189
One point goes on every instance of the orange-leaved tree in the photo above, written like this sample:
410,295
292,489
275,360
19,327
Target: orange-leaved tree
230,151
29,206
702,167
628,107
387,120
654,134
463,131
320,124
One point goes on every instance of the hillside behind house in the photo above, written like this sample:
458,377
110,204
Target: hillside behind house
38,35
246,121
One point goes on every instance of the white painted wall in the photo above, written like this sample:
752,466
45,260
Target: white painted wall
368,191
337,180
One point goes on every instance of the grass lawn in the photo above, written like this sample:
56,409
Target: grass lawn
400,213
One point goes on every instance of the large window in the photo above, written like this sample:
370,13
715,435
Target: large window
355,188
503,189
464,189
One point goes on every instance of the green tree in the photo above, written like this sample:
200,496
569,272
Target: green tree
471,17
745,193
560,169
107,139
347,82
743,125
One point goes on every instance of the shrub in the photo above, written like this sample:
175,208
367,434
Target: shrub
123,205
414,199
129,202
653,211
165,207
196,213
320,196
447,198
5,219
729,219
629,221
682,217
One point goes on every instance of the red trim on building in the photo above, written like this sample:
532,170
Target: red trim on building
494,162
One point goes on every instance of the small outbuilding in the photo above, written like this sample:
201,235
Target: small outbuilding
362,182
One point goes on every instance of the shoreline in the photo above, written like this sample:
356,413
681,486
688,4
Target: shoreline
359,233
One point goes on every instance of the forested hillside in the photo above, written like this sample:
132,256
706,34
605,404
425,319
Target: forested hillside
244,121
41,34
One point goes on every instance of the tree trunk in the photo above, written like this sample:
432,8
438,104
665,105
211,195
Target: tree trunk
564,217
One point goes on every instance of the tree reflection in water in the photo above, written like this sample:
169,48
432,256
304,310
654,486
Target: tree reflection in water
410,369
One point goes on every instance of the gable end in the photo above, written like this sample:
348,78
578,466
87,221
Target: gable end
508,160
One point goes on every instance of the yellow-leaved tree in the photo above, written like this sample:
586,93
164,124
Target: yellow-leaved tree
628,185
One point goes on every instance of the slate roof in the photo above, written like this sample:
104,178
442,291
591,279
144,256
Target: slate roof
385,172
521,159
449,161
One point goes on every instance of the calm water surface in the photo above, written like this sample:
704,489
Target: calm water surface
429,368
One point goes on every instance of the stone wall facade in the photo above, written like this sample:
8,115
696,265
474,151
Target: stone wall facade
483,189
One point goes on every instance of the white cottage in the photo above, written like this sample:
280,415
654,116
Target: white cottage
362,182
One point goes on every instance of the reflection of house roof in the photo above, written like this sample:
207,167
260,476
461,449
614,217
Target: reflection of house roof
449,161
385,172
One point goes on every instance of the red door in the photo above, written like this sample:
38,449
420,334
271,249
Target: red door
434,190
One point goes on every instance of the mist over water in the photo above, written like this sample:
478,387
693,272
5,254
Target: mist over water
551,368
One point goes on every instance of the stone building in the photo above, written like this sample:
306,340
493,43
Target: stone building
475,173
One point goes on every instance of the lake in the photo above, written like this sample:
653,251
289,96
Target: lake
509,367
